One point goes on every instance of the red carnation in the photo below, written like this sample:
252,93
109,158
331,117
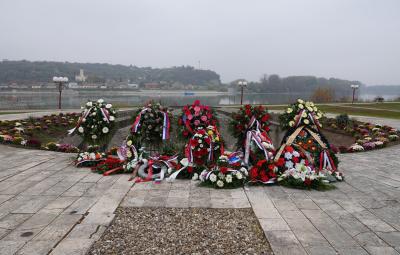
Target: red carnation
223,169
271,167
253,172
295,160
248,112
185,133
307,182
196,102
190,169
280,162
264,177
261,162
247,106
289,149
265,118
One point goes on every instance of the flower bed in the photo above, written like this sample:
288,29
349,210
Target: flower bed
366,136
39,133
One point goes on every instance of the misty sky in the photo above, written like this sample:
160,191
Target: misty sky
349,39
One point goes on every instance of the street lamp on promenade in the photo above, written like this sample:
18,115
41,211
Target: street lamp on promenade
242,85
60,81
354,87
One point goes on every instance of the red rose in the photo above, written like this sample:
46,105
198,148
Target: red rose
307,182
271,167
223,169
247,106
196,102
280,162
295,160
289,149
253,172
264,178
185,133
190,169
248,112
265,118
266,128
261,162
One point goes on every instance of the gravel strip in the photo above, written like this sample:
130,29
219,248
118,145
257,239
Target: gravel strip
183,231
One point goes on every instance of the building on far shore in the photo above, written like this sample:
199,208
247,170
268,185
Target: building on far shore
152,85
81,77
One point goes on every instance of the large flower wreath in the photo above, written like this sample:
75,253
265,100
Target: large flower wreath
96,123
195,116
248,117
305,139
152,124
228,173
250,125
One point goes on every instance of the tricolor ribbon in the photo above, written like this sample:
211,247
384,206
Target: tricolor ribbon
166,126
326,162
83,116
136,124
258,138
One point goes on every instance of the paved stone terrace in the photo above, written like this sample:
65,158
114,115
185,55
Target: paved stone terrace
47,206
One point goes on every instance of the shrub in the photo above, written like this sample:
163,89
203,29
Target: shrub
342,120
52,146
17,140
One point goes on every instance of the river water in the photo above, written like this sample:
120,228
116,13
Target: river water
71,100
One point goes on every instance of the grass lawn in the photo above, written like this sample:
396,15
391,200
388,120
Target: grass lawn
382,110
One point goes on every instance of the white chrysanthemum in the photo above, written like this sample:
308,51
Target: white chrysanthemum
239,175
94,137
310,109
244,171
213,178
80,129
300,101
112,118
100,101
200,141
94,113
306,121
304,114
301,106
92,155
108,106
291,123
289,110
289,164
228,178
89,104
105,130
288,155
220,183
195,177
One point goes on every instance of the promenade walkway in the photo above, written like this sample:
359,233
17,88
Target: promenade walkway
48,205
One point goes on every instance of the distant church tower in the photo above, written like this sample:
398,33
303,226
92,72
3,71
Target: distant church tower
81,77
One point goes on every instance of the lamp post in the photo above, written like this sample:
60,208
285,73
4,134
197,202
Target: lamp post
354,87
60,81
242,85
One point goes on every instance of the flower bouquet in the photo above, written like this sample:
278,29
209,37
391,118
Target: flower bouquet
195,116
228,173
96,123
265,171
90,158
305,177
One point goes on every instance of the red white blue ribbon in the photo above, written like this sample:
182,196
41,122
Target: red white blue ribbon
166,126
